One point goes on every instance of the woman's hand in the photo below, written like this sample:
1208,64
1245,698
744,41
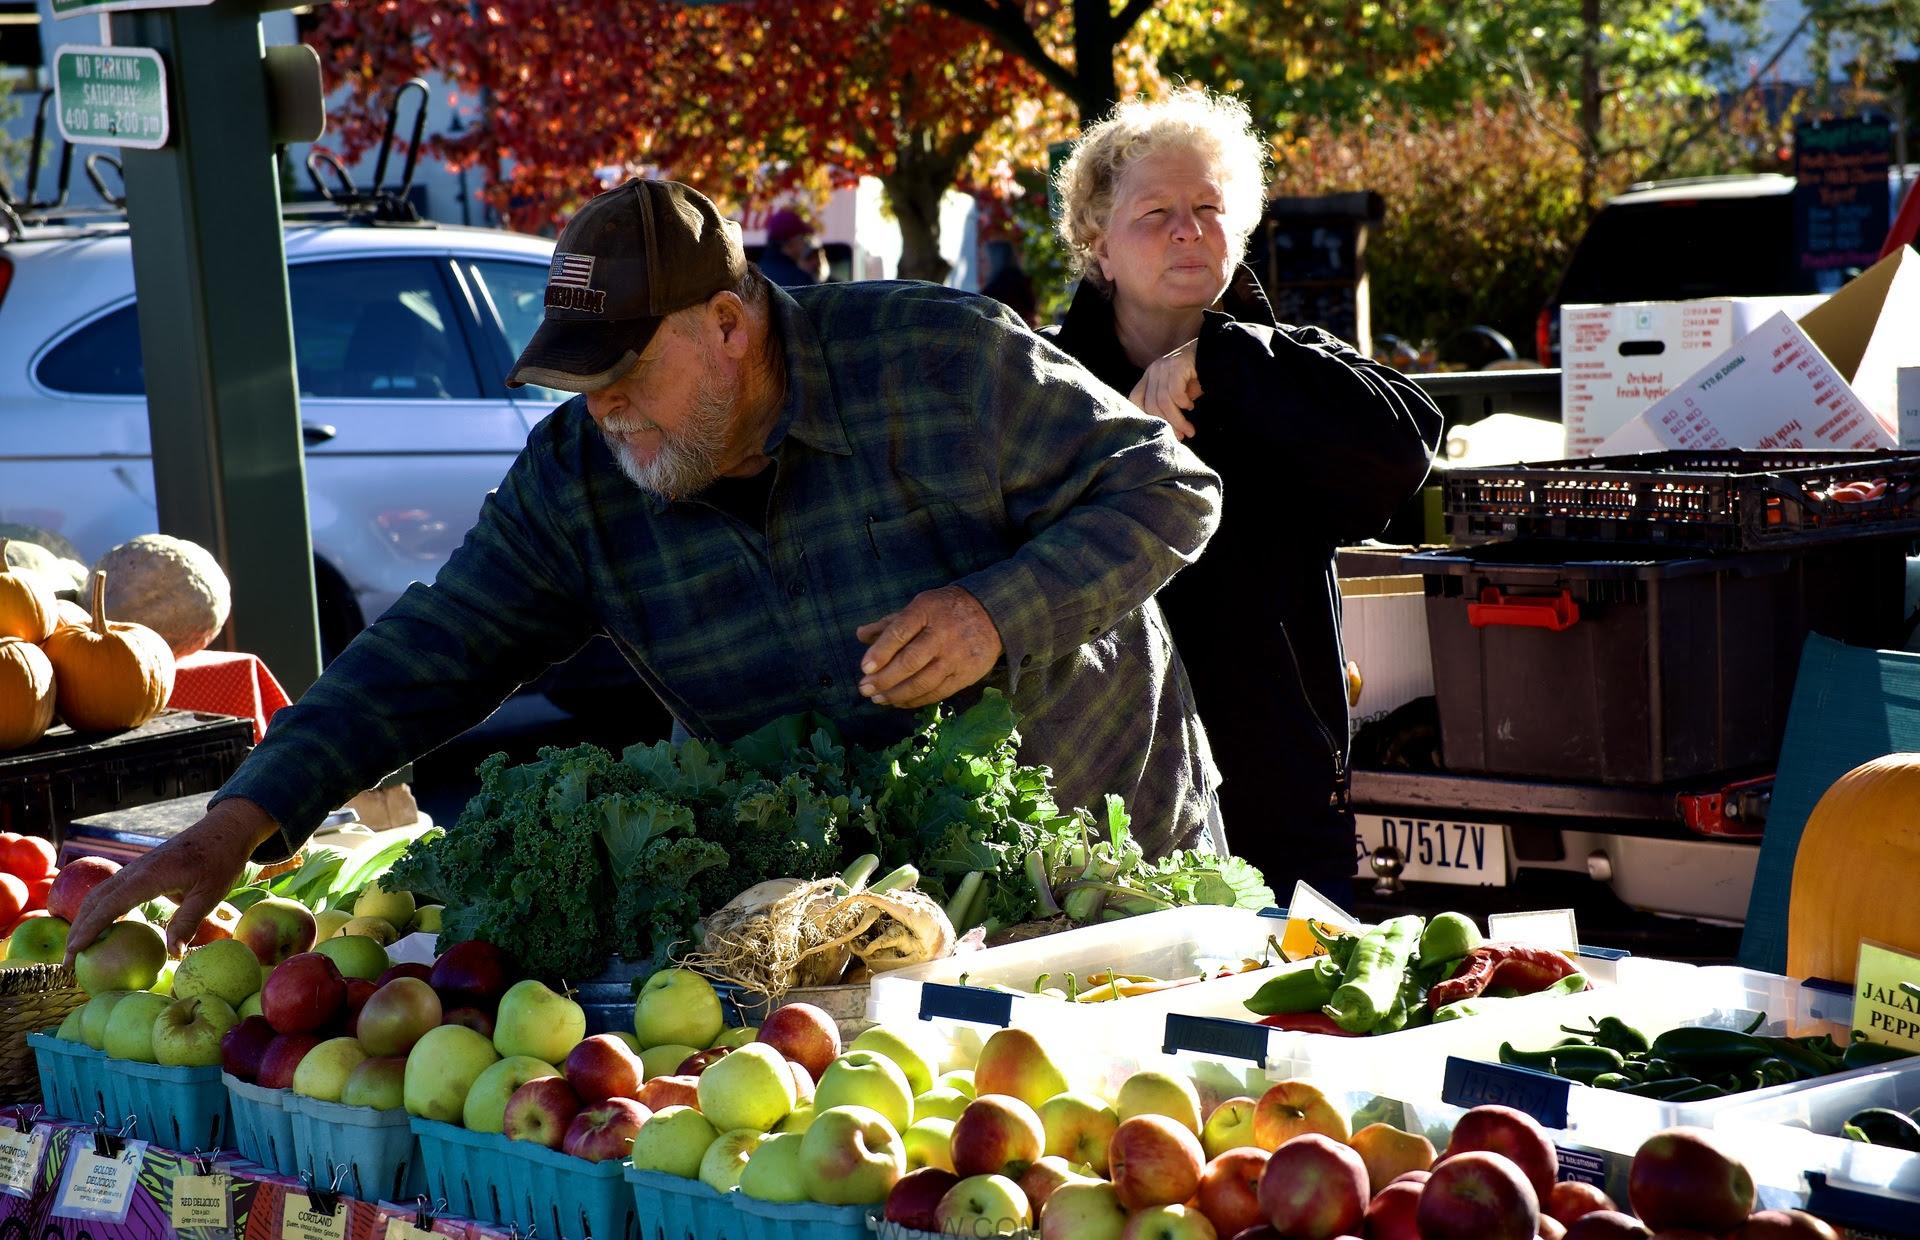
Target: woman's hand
1169,387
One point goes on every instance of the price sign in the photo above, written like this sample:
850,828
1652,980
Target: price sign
302,1219
404,1229
20,1156
1309,906
97,1188
202,1201
1886,1007
1551,928
112,95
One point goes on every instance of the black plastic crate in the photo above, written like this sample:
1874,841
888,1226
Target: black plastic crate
1587,664
1716,501
64,775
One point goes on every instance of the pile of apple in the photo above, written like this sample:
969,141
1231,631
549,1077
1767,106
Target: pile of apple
38,901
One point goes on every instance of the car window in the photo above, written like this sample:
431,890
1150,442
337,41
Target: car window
378,329
101,359
519,294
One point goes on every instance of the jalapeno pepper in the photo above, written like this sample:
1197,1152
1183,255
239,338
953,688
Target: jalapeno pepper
1304,986
1614,1034
1867,1054
1563,1060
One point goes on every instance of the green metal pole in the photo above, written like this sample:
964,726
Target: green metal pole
216,333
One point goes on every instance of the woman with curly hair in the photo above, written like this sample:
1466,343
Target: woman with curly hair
1315,444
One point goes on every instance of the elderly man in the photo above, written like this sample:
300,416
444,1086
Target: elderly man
857,499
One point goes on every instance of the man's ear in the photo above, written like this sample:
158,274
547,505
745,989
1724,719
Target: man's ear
727,319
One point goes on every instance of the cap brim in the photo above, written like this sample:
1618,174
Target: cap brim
581,356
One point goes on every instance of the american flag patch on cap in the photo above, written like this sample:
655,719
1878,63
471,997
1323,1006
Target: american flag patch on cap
571,270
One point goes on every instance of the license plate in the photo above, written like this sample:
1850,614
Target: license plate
1433,850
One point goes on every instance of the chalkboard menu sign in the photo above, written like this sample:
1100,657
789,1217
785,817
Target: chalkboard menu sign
1840,206
1311,255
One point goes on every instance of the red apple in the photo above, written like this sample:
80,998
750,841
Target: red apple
997,1135
1394,1212
282,1056
1784,1225
1569,1199
70,886
602,1067
418,972
397,1015
802,1082
1264,1231
1315,1188
916,1195
540,1111
604,1132
696,1063
1048,1172
1411,1177
804,1034
1153,1161
1478,1195
1517,1135
471,974
37,892
219,924
244,1046
474,1018
303,993
669,1091
359,990
1230,1190
1683,1178
1607,1225
276,929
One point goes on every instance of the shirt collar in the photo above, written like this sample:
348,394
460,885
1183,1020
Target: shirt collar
809,413
1087,331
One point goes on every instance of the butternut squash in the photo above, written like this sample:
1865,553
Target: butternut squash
1857,870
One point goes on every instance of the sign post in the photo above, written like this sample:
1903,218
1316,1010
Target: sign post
111,95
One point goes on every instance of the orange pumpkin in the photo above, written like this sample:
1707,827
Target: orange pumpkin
26,693
109,676
1857,869
26,605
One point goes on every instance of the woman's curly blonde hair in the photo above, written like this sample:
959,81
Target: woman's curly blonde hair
1219,127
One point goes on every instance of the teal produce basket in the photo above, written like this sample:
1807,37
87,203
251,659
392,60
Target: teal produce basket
484,1175
263,1125
178,1108
668,1207
782,1220
72,1077
377,1148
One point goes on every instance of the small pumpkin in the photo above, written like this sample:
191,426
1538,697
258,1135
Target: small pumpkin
68,615
109,676
174,587
26,604
1856,870
26,693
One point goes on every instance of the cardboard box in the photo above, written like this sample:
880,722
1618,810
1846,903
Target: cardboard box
1383,628
1616,360
1829,381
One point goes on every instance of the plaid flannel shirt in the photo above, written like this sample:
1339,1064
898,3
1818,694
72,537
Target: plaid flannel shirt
927,439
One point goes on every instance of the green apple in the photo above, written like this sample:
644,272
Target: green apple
1159,1093
250,1006
379,929
163,985
1088,1209
960,1079
928,1143
356,955
427,919
867,1079
751,1088
798,1120
69,1030
851,1156
906,1050
726,1158
989,1205
39,940
940,1102
323,1073
633,1043
396,908
486,1106
227,969
126,956
94,1015
773,1171
130,1028
737,1036
327,923
380,1084
1229,1127
678,1006
187,1034
1079,1128
662,1060
673,1142
441,1069
536,1021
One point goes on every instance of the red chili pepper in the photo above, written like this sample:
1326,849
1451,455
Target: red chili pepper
1307,1022
1526,969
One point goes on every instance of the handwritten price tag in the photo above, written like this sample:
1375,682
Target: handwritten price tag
201,1201
403,1229
302,1220
20,1157
99,1188
1308,905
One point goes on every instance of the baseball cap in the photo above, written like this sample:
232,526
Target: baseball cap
784,225
626,260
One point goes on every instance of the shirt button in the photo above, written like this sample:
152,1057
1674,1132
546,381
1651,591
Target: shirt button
826,682
797,588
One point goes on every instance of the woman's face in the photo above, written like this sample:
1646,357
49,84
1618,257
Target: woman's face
1164,248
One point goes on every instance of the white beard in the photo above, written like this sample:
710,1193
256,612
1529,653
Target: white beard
688,459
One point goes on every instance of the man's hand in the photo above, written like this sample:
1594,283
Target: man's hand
196,869
935,646
1169,387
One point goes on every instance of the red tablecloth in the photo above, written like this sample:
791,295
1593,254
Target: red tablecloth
222,682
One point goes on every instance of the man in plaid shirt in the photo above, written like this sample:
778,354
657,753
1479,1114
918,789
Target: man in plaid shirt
855,499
